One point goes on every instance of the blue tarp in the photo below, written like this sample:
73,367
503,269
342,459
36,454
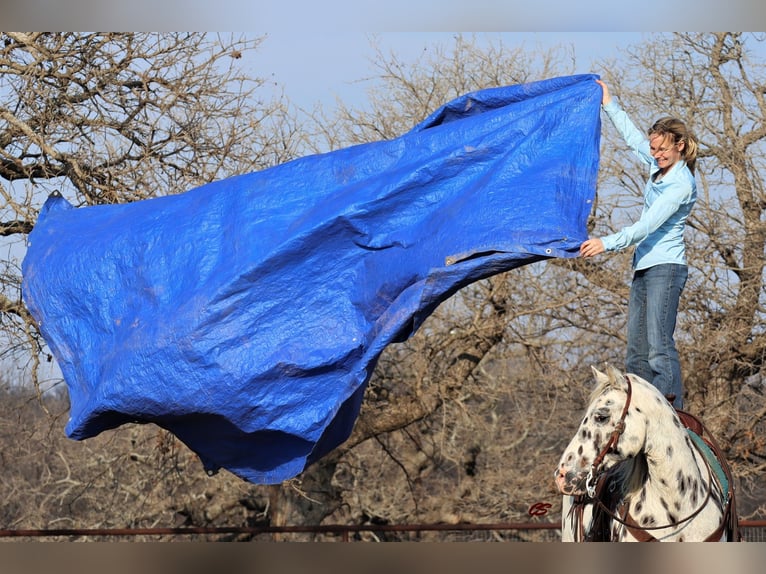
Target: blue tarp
246,316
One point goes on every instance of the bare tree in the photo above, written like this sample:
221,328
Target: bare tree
403,93
107,118
117,117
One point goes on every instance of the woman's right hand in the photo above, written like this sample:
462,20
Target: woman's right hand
605,97
591,247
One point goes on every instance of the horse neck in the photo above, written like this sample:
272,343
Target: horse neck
670,487
668,453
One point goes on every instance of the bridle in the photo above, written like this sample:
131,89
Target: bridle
595,469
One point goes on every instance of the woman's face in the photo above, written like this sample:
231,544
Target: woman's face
665,152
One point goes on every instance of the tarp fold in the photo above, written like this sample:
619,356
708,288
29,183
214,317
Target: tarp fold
246,316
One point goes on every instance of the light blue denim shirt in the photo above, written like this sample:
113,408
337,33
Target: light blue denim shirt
659,233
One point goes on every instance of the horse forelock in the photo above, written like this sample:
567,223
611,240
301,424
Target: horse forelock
611,380
645,395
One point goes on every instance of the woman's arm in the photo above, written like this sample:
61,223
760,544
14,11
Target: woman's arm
663,208
634,137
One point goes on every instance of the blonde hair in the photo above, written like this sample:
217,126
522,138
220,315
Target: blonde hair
677,129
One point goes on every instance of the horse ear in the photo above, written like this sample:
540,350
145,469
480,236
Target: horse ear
601,378
614,373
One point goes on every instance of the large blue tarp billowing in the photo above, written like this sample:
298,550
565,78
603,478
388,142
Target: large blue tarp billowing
246,316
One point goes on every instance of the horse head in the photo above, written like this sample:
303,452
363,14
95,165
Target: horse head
610,432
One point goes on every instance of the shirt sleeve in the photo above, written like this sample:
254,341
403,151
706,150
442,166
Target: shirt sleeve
651,219
635,138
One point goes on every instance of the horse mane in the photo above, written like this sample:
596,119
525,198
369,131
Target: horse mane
620,482
631,474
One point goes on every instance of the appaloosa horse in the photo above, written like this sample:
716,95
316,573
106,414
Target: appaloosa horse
640,470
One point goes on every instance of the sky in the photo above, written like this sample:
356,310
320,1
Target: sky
318,66
318,49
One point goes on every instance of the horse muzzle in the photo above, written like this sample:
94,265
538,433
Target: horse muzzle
570,483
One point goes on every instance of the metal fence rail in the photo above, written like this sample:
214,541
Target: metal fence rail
751,530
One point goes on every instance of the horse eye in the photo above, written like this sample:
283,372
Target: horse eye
601,417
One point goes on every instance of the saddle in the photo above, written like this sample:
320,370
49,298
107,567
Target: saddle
709,448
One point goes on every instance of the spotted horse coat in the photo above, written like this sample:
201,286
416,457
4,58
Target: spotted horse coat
632,471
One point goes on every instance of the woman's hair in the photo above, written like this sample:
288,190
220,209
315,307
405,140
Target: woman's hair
680,133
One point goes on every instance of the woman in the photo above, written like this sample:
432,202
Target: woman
659,260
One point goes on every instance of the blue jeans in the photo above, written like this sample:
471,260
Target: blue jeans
652,354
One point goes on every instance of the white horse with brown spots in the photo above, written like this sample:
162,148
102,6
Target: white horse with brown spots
635,472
